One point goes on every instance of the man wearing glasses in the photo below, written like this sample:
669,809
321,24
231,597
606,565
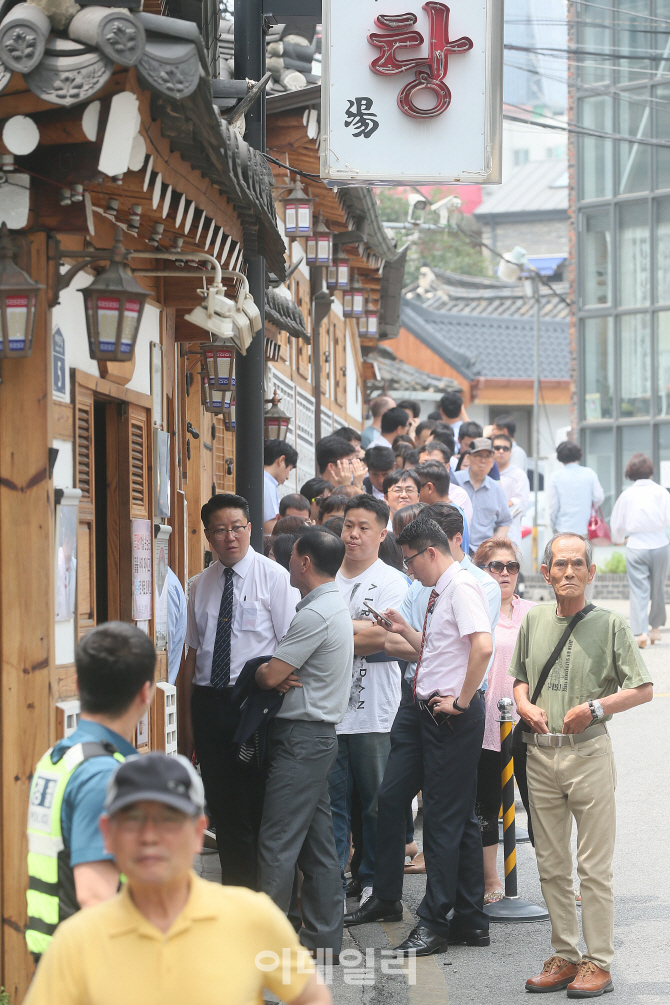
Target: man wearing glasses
239,608
514,482
401,488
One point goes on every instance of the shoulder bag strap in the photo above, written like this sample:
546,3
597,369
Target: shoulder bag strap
546,669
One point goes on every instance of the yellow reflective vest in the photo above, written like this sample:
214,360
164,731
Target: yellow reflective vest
51,891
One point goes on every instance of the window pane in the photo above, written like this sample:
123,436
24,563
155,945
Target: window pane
600,456
663,363
634,440
632,38
662,251
595,37
598,371
596,154
633,254
663,442
634,366
661,109
634,120
596,258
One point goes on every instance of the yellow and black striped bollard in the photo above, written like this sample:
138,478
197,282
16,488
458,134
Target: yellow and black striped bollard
511,909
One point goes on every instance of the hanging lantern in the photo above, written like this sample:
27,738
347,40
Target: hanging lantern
320,245
18,303
343,274
331,276
276,422
229,415
358,302
218,377
348,304
363,325
373,321
114,303
298,212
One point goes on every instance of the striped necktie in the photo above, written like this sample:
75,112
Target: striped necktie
220,676
429,610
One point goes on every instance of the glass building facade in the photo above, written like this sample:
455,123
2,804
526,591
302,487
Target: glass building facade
623,236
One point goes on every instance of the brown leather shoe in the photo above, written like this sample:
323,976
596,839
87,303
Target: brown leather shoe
556,975
590,982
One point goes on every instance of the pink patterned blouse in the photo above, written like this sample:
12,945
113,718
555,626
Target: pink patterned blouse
500,683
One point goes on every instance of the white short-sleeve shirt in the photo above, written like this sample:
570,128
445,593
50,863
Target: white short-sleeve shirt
460,610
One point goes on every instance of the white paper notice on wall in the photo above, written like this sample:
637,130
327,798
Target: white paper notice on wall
665,474
411,91
142,554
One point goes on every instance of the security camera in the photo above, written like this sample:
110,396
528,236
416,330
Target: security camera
446,206
416,202
229,321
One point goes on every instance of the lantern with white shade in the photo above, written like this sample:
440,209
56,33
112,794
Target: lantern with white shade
114,304
298,212
276,421
18,303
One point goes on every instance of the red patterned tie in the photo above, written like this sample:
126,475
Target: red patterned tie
429,610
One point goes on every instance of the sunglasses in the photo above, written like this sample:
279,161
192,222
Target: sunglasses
511,567
501,446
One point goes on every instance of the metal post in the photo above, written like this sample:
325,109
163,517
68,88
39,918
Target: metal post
316,283
536,423
250,369
511,909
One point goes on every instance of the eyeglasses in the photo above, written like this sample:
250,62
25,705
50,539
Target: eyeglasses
501,446
406,562
499,567
134,821
404,490
236,531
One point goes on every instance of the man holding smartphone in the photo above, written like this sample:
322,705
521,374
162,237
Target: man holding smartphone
443,745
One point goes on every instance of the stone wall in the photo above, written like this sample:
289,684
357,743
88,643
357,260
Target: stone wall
608,586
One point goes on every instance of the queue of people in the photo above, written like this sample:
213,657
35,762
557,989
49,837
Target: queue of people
334,678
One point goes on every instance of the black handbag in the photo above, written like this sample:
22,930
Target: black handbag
519,748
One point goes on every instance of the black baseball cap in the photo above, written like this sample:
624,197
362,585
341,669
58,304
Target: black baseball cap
172,781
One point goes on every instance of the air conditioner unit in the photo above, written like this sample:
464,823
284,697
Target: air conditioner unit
67,717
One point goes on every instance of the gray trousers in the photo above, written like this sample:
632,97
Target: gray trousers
297,829
647,572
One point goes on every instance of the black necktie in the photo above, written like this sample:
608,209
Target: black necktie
220,676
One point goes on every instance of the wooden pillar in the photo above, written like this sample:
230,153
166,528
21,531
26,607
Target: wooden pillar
26,612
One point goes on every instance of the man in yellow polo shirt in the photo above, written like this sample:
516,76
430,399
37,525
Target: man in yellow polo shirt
170,937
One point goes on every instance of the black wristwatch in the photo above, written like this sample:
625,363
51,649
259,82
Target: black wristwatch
458,707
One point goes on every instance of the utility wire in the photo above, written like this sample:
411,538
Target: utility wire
620,10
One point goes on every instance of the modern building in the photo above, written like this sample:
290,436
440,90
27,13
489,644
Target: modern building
620,199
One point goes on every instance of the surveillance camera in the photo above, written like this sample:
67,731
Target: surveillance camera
228,320
416,202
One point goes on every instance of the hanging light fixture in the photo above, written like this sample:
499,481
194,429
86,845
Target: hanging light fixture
348,304
338,277
218,377
18,303
276,422
114,304
298,212
367,323
320,245
358,299
229,415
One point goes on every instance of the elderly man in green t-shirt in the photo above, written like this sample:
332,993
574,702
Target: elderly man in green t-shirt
570,767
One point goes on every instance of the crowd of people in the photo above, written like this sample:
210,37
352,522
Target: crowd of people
354,664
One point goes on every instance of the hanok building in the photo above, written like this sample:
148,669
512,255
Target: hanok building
115,160
481,333
347,306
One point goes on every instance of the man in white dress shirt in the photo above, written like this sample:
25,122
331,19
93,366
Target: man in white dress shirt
239,608
454,649
514,482
279,459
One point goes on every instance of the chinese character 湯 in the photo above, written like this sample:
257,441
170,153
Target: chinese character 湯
359,115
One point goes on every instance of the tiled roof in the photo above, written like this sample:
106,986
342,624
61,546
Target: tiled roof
398,376
537,187
448,291
493,346
282,312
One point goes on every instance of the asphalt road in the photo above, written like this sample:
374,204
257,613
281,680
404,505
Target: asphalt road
496,975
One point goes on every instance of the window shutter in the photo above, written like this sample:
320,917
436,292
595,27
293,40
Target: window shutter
85,480
139,465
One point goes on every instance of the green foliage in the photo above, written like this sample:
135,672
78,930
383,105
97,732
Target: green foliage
616,563
449,250
4,997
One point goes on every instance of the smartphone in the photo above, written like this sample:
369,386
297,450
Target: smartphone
438,717
376,614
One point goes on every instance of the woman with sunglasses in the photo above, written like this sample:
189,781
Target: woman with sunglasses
500,558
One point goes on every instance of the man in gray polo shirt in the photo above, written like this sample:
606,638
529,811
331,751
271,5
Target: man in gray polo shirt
312,667
491,516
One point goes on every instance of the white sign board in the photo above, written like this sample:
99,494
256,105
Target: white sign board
412,92
142,548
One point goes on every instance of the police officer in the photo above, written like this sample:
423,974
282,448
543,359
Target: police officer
68,866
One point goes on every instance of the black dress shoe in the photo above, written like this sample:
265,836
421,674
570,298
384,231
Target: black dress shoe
422,942
354,888
375,910
469,937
